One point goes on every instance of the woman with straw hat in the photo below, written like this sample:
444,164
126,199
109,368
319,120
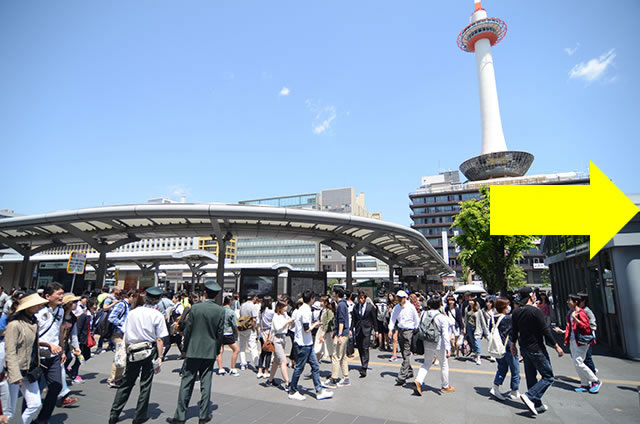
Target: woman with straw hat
23,356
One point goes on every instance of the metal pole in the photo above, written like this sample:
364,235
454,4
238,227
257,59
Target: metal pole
73,282
23,268
349,272
222,250
102,269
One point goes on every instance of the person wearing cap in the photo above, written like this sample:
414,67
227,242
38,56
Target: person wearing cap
23,358
405,318
530,330
203,337
51,354
144,324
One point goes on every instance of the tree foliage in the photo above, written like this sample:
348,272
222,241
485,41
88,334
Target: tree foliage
493,258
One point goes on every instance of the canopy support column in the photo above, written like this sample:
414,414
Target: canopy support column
26,255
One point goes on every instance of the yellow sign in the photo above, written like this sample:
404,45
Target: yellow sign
76,262
599,210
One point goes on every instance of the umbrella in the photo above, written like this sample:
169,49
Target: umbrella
472,288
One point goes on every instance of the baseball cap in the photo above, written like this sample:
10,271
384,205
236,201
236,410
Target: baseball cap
524,293
402,293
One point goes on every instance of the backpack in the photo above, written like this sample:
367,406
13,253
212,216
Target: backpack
497,349
428,331
382,311
245,323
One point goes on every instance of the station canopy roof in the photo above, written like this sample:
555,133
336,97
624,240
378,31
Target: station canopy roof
113,226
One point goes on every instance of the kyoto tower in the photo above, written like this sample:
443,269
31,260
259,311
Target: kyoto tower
495,160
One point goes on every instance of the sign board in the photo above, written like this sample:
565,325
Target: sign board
540,266
147,280
258,282
415,271
76,263
299,281
130,282
90,276
448,281
174,275
44,280
53,265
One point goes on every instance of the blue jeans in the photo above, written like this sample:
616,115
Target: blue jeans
537,361
588,361
305,354
508,363
475,343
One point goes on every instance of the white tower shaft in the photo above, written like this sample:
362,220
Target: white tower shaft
492,135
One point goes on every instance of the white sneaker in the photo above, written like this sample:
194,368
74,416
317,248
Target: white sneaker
259,375
528,403
324,394
513,395
492,359
243,367
542,408
478,361
222,371
495,392
234,372
297,396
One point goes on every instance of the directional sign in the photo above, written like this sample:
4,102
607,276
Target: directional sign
76,263
599,210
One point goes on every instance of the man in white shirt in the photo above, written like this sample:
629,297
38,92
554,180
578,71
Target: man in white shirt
249,338
405,318
440,349
143,324
304,352
49,321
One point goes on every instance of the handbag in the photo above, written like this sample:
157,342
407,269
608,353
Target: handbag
32,375
586,339
137,352
417,345
91,342
267,346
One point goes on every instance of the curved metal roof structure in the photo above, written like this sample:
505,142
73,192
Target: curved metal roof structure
106,228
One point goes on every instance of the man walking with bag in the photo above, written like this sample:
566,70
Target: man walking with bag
203,337
144,331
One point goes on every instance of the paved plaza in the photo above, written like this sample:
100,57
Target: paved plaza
375,399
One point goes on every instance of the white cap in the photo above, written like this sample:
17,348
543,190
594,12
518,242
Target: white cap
402,293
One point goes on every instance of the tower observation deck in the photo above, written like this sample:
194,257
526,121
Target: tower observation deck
496,160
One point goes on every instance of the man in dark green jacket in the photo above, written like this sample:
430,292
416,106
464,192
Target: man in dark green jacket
202,342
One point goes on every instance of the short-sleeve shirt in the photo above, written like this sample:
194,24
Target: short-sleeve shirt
144,324
248,309
302,338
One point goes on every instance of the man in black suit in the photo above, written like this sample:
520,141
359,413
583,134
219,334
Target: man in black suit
364,321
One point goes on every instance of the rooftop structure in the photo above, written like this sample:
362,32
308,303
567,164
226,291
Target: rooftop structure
496,160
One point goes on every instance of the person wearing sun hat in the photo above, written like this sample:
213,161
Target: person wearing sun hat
203,338
23,356
144,331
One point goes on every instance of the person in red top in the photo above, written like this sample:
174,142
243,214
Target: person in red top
577,335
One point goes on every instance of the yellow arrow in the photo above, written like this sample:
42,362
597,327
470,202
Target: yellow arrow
599,210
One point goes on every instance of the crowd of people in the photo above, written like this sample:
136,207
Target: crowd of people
46,337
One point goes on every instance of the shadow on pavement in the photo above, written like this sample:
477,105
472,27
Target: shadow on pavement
154,412
389,373
58,418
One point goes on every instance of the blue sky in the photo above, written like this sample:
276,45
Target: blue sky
116,102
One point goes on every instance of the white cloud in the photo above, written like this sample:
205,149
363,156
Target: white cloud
593,69
570,51
285,91
323,117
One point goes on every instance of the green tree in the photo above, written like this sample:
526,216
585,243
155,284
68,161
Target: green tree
493,258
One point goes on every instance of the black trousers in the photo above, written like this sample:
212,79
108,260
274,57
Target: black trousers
52,371
363,341
145,370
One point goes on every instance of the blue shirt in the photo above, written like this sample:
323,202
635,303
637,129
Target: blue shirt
118,316
3,325
342,317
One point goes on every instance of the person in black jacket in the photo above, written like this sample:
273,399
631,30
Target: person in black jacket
83,325
364,321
